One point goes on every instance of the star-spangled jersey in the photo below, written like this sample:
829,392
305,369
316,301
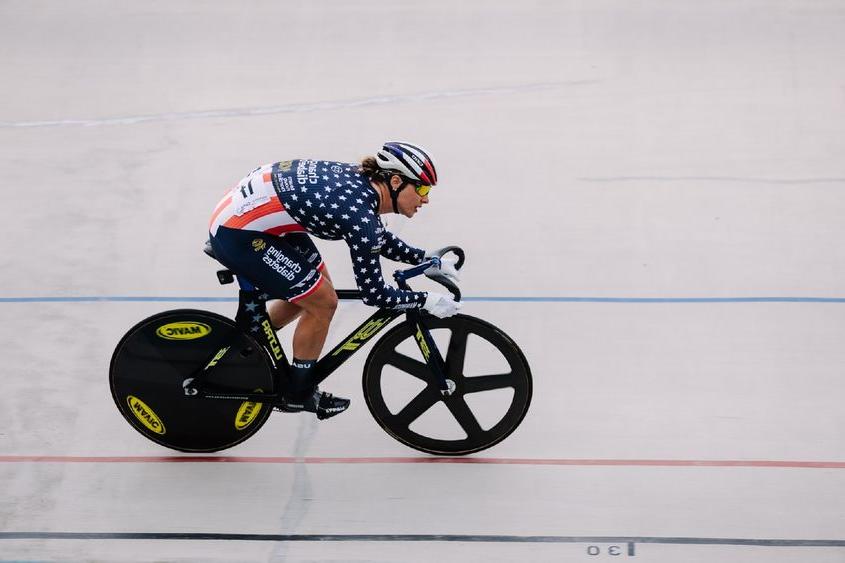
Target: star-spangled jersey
333,201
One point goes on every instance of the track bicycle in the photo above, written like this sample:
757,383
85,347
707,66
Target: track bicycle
195,381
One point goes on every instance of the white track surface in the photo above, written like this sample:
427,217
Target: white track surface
587,149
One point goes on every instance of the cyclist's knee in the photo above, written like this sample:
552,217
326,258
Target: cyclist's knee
322,303
325,272
330,302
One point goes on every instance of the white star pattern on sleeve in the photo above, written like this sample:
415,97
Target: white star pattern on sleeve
322,205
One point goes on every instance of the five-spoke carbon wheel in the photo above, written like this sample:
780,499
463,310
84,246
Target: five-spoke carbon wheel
490,375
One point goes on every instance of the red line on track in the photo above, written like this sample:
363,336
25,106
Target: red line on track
448,460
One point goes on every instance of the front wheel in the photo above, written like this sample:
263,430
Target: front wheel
491,377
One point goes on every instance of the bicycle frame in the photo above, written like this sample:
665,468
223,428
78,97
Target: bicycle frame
252,319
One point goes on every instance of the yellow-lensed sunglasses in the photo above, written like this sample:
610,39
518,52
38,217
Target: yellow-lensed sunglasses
422,189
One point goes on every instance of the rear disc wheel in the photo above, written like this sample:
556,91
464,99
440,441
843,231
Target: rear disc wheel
152,361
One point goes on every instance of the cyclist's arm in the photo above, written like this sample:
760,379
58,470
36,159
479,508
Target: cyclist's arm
397,250
366,266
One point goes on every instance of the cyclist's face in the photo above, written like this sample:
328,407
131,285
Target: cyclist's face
409,201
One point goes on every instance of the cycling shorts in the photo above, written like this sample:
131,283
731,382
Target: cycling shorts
284,267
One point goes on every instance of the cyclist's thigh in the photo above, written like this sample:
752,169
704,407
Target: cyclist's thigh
303,243
271,263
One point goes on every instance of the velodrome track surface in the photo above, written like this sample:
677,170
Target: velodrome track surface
650,196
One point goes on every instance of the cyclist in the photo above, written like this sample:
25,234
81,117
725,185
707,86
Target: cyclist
260,230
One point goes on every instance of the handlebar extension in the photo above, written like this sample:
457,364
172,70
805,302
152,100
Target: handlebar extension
401,276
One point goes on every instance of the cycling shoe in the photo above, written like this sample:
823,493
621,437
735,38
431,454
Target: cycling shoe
324,405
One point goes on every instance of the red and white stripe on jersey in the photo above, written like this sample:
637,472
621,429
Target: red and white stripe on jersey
252,205
308,291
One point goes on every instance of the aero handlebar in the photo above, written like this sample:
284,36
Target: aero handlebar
401,276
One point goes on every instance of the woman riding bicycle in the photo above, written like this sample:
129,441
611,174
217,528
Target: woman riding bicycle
260,229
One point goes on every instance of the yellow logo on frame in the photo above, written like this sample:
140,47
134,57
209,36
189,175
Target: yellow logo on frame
362,335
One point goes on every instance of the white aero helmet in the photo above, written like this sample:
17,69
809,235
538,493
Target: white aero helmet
411,161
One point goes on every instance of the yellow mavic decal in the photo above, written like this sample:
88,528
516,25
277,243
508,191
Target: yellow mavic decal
145,414
183,330
247,414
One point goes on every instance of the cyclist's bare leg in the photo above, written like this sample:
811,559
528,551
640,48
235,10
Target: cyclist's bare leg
282,313
308,339
316,315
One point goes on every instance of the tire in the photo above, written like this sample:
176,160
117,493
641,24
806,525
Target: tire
475,437
152,360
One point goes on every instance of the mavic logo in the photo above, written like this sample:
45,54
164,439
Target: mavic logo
247,413
183,330
145,414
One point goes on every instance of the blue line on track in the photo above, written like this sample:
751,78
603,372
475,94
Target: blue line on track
660,299
200,299
119,299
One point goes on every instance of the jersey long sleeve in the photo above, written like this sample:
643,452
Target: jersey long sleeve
366,265
333,201
397,250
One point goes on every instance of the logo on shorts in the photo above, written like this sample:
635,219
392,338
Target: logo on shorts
277,260
258,244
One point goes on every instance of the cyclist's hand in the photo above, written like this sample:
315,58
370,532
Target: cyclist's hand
440,305
444,268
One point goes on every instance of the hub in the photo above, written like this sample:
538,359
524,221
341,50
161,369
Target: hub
188,386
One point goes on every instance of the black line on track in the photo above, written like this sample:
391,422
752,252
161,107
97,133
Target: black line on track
416,538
